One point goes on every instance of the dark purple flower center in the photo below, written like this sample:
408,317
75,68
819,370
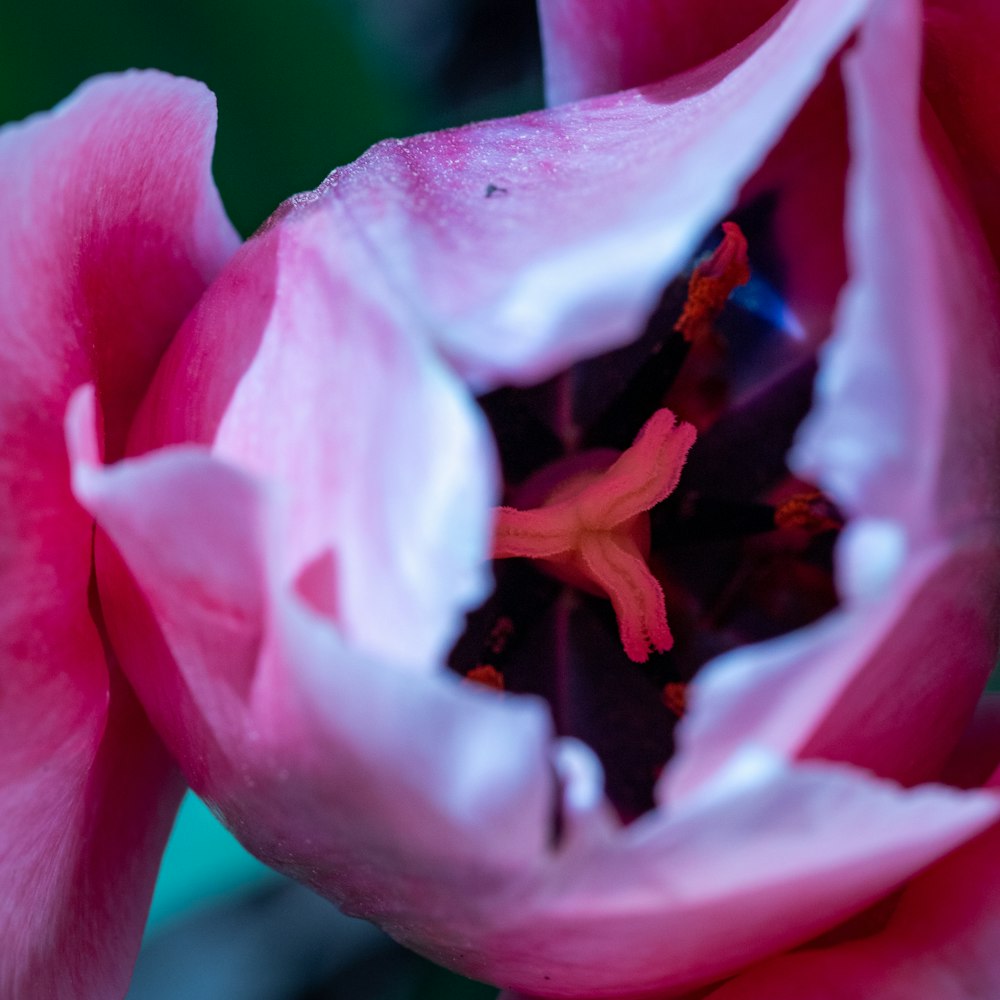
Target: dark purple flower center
741,550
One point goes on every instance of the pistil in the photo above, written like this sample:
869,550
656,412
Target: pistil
592,528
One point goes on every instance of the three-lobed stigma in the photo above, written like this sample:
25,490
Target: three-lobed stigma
592,529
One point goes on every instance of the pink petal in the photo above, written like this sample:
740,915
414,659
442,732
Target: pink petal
424,804
905,413
298,366
803,178
977,755
909,383
607,45
311,750
111,230
960,71
523,245
942,942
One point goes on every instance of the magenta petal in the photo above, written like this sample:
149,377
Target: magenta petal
908,384
522,245
385,788
606,45
804,177
118,230
977,755
960,70
111,230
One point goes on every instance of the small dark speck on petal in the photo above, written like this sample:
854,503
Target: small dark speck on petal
494,189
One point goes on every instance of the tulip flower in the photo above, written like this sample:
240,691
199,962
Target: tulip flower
295,524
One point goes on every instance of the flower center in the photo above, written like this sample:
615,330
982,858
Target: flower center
590,524
650,522
592,528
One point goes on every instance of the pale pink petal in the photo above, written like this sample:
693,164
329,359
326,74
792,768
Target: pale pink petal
321,758
298,366
522,245
111,229
899,437
425,804
941,943
606,45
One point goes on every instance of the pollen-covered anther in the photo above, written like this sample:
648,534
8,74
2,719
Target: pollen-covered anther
592,529
810,511
486,675
675,698
712,282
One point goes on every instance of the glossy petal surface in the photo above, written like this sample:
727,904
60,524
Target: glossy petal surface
270,626
299,367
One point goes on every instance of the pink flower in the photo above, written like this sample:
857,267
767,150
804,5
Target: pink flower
112,229
287,552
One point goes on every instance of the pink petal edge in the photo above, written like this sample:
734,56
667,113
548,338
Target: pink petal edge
112,229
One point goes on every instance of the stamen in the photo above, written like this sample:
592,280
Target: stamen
486,675
592,530
810,511
675,698
712,283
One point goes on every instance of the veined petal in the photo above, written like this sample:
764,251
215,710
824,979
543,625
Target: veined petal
608,45
112,227
511,245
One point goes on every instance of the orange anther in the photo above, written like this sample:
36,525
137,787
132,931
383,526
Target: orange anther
810,511
486,675
675,698
713,282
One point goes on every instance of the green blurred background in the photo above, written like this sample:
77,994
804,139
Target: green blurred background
302,86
